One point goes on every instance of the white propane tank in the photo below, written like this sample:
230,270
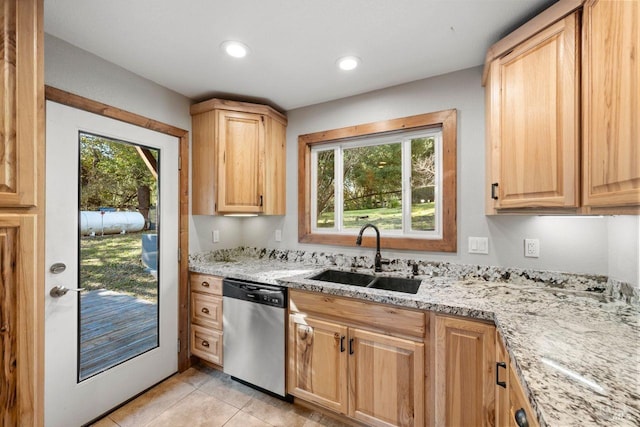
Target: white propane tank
110,222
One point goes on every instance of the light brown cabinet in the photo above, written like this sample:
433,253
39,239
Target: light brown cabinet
206,331
511,401
611,104
533,121
22,188
239,155
339,358
562,116
464,373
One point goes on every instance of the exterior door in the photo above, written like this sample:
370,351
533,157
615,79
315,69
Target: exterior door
73,396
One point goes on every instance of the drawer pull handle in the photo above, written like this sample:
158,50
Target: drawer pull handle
494,191
499,365
205,284
205,310
205,343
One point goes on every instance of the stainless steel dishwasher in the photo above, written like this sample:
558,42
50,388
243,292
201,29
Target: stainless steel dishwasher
254,334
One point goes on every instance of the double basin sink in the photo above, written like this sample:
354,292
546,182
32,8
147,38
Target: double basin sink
397,284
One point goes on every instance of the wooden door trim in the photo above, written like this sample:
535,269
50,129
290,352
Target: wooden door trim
86,104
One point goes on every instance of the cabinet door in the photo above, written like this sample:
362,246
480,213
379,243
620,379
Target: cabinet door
611,103
502,384
318,362
386,380
464,372
534,122
519,402
241,138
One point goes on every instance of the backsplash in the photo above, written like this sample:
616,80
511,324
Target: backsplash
567,281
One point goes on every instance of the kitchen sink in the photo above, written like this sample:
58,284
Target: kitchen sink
397,284
344,277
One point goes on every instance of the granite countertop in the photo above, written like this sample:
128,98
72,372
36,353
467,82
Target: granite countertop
577,352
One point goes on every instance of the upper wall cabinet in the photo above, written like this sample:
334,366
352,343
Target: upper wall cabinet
22,88
533,100
538,125
239,156
611,104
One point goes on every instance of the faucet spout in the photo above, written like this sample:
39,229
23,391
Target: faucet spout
378,257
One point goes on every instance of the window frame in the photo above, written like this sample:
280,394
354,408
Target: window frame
404,141
446,120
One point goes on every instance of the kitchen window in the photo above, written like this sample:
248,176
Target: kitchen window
397,174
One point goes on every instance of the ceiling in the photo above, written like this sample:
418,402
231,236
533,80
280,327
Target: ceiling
294,44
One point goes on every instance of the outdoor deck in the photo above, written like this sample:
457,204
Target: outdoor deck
114,328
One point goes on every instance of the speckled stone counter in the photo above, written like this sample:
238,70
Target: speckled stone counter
576,350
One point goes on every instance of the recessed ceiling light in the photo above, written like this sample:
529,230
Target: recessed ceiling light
235,49
348,63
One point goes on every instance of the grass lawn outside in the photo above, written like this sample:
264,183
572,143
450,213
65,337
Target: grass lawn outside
423,215
114,262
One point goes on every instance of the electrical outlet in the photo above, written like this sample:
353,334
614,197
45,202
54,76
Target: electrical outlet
532,248
216,236
478,245
278,235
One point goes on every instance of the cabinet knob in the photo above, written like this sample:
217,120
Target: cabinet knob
205,344
205,310
521,418
205,284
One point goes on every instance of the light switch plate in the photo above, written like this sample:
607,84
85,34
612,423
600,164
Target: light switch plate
216,236
478,245
278,236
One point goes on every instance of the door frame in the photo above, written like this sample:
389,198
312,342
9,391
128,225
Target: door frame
89,105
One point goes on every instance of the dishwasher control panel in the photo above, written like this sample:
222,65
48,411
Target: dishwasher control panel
255,292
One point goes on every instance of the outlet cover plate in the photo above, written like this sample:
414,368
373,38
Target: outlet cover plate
278,236
216,236
532,248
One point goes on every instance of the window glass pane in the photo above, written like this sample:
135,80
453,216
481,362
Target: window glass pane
325,190
423,174
373,186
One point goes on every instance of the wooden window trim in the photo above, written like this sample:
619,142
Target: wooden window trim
447,119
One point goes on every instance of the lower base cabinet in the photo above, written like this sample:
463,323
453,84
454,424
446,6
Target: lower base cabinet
464,374
365,374
512,406
387,366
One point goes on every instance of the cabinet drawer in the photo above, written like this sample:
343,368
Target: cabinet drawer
206,344
206,310
206,283
383,317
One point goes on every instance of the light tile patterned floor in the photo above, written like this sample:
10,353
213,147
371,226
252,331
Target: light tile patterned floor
202,397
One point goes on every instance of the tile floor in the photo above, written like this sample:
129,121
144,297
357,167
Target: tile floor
202,397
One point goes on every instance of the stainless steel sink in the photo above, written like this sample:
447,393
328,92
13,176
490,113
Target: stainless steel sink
344,277
397,284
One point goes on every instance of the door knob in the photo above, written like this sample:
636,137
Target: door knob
58,291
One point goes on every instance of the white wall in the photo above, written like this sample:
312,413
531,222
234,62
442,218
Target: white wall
600,246
624,249
77,71
566,244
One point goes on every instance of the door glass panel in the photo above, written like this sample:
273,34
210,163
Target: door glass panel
118,252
